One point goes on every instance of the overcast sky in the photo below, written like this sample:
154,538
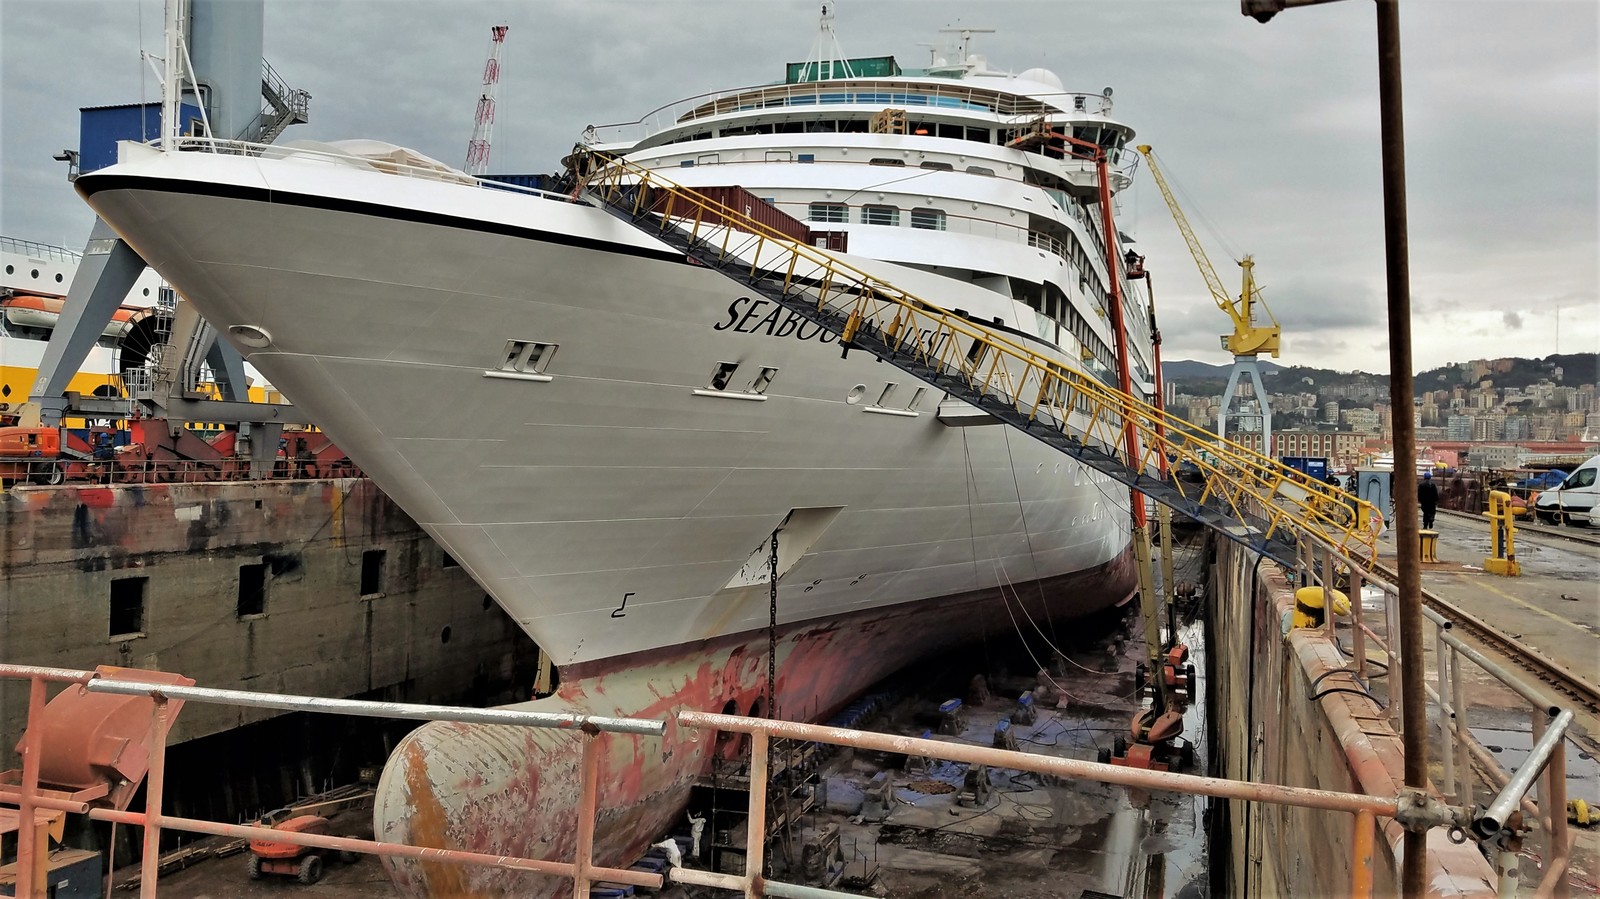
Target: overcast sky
1270,131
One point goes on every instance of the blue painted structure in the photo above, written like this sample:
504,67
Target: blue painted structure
100,127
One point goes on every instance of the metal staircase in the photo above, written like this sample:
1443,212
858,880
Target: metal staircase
285,105
1243,495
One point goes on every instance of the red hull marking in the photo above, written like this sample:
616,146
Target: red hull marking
462,788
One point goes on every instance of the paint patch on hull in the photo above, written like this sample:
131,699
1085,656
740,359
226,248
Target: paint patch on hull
514,791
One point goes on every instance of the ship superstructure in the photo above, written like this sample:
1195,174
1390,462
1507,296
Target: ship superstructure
611,437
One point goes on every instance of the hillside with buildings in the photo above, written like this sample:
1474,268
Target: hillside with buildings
1484,413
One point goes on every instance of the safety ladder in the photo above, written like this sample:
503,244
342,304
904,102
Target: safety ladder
1243,495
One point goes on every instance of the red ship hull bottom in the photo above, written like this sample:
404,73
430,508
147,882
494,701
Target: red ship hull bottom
514,791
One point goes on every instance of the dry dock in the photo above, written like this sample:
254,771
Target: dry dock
1303,706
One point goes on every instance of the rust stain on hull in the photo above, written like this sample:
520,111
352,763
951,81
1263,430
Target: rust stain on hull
508,790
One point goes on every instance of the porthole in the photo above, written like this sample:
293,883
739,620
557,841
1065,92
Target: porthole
855,394
444,635
147,291
36,273
58,277
11,269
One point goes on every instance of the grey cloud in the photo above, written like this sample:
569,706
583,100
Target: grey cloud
1271,129
1512,320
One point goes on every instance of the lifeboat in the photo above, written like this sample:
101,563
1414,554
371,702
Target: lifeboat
41,313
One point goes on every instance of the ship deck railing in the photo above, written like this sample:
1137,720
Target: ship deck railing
931,95
38,250
441,173
162,696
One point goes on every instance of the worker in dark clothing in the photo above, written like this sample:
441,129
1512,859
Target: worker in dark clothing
1428,499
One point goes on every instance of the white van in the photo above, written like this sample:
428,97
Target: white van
1574,501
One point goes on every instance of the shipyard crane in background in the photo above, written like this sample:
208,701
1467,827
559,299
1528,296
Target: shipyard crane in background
483,122
1249,338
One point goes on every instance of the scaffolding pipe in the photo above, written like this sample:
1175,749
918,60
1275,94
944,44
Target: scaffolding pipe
155,783
1362,876
39,672
372,847
370,709
1499,811
1300,797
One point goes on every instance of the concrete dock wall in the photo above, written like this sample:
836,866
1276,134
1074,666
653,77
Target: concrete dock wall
1268,727
418,629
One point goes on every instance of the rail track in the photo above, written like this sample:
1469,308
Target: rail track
1521,654
1582,536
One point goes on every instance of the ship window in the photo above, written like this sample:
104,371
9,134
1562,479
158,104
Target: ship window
981,135
127,606
723,373
938,166
928,219
807,157
372,572
763,380
880,215
885,160
979,170
686,164
828,212
252,591
779,155
527,356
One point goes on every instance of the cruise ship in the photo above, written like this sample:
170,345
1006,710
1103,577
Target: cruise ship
33,290
608,436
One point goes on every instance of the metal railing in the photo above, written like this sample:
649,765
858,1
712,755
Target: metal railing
1038,393
1510,812
385,166
85,472
38,250
954,95
27,796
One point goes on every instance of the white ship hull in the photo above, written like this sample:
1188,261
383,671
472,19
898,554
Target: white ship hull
610,505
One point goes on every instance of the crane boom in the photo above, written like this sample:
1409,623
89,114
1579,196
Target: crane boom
1248,338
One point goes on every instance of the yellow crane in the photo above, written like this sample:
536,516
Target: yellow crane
1248,339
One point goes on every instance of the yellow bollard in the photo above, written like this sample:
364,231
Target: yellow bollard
1308,611
1430,545
1502,536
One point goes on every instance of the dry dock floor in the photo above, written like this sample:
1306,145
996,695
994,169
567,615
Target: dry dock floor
1032,839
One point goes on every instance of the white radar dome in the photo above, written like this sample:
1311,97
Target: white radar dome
1043,76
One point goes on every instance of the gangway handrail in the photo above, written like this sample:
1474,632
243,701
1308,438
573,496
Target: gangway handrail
1238,485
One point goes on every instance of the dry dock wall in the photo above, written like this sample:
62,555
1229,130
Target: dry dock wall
1267,728
353,597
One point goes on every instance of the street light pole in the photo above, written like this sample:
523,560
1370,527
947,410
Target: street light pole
1408,551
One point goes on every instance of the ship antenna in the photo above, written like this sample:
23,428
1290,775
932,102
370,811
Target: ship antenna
966,37
827,50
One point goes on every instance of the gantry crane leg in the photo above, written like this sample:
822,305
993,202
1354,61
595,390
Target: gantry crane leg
1246,365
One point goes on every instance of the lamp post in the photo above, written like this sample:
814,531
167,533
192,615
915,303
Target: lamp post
1408,561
